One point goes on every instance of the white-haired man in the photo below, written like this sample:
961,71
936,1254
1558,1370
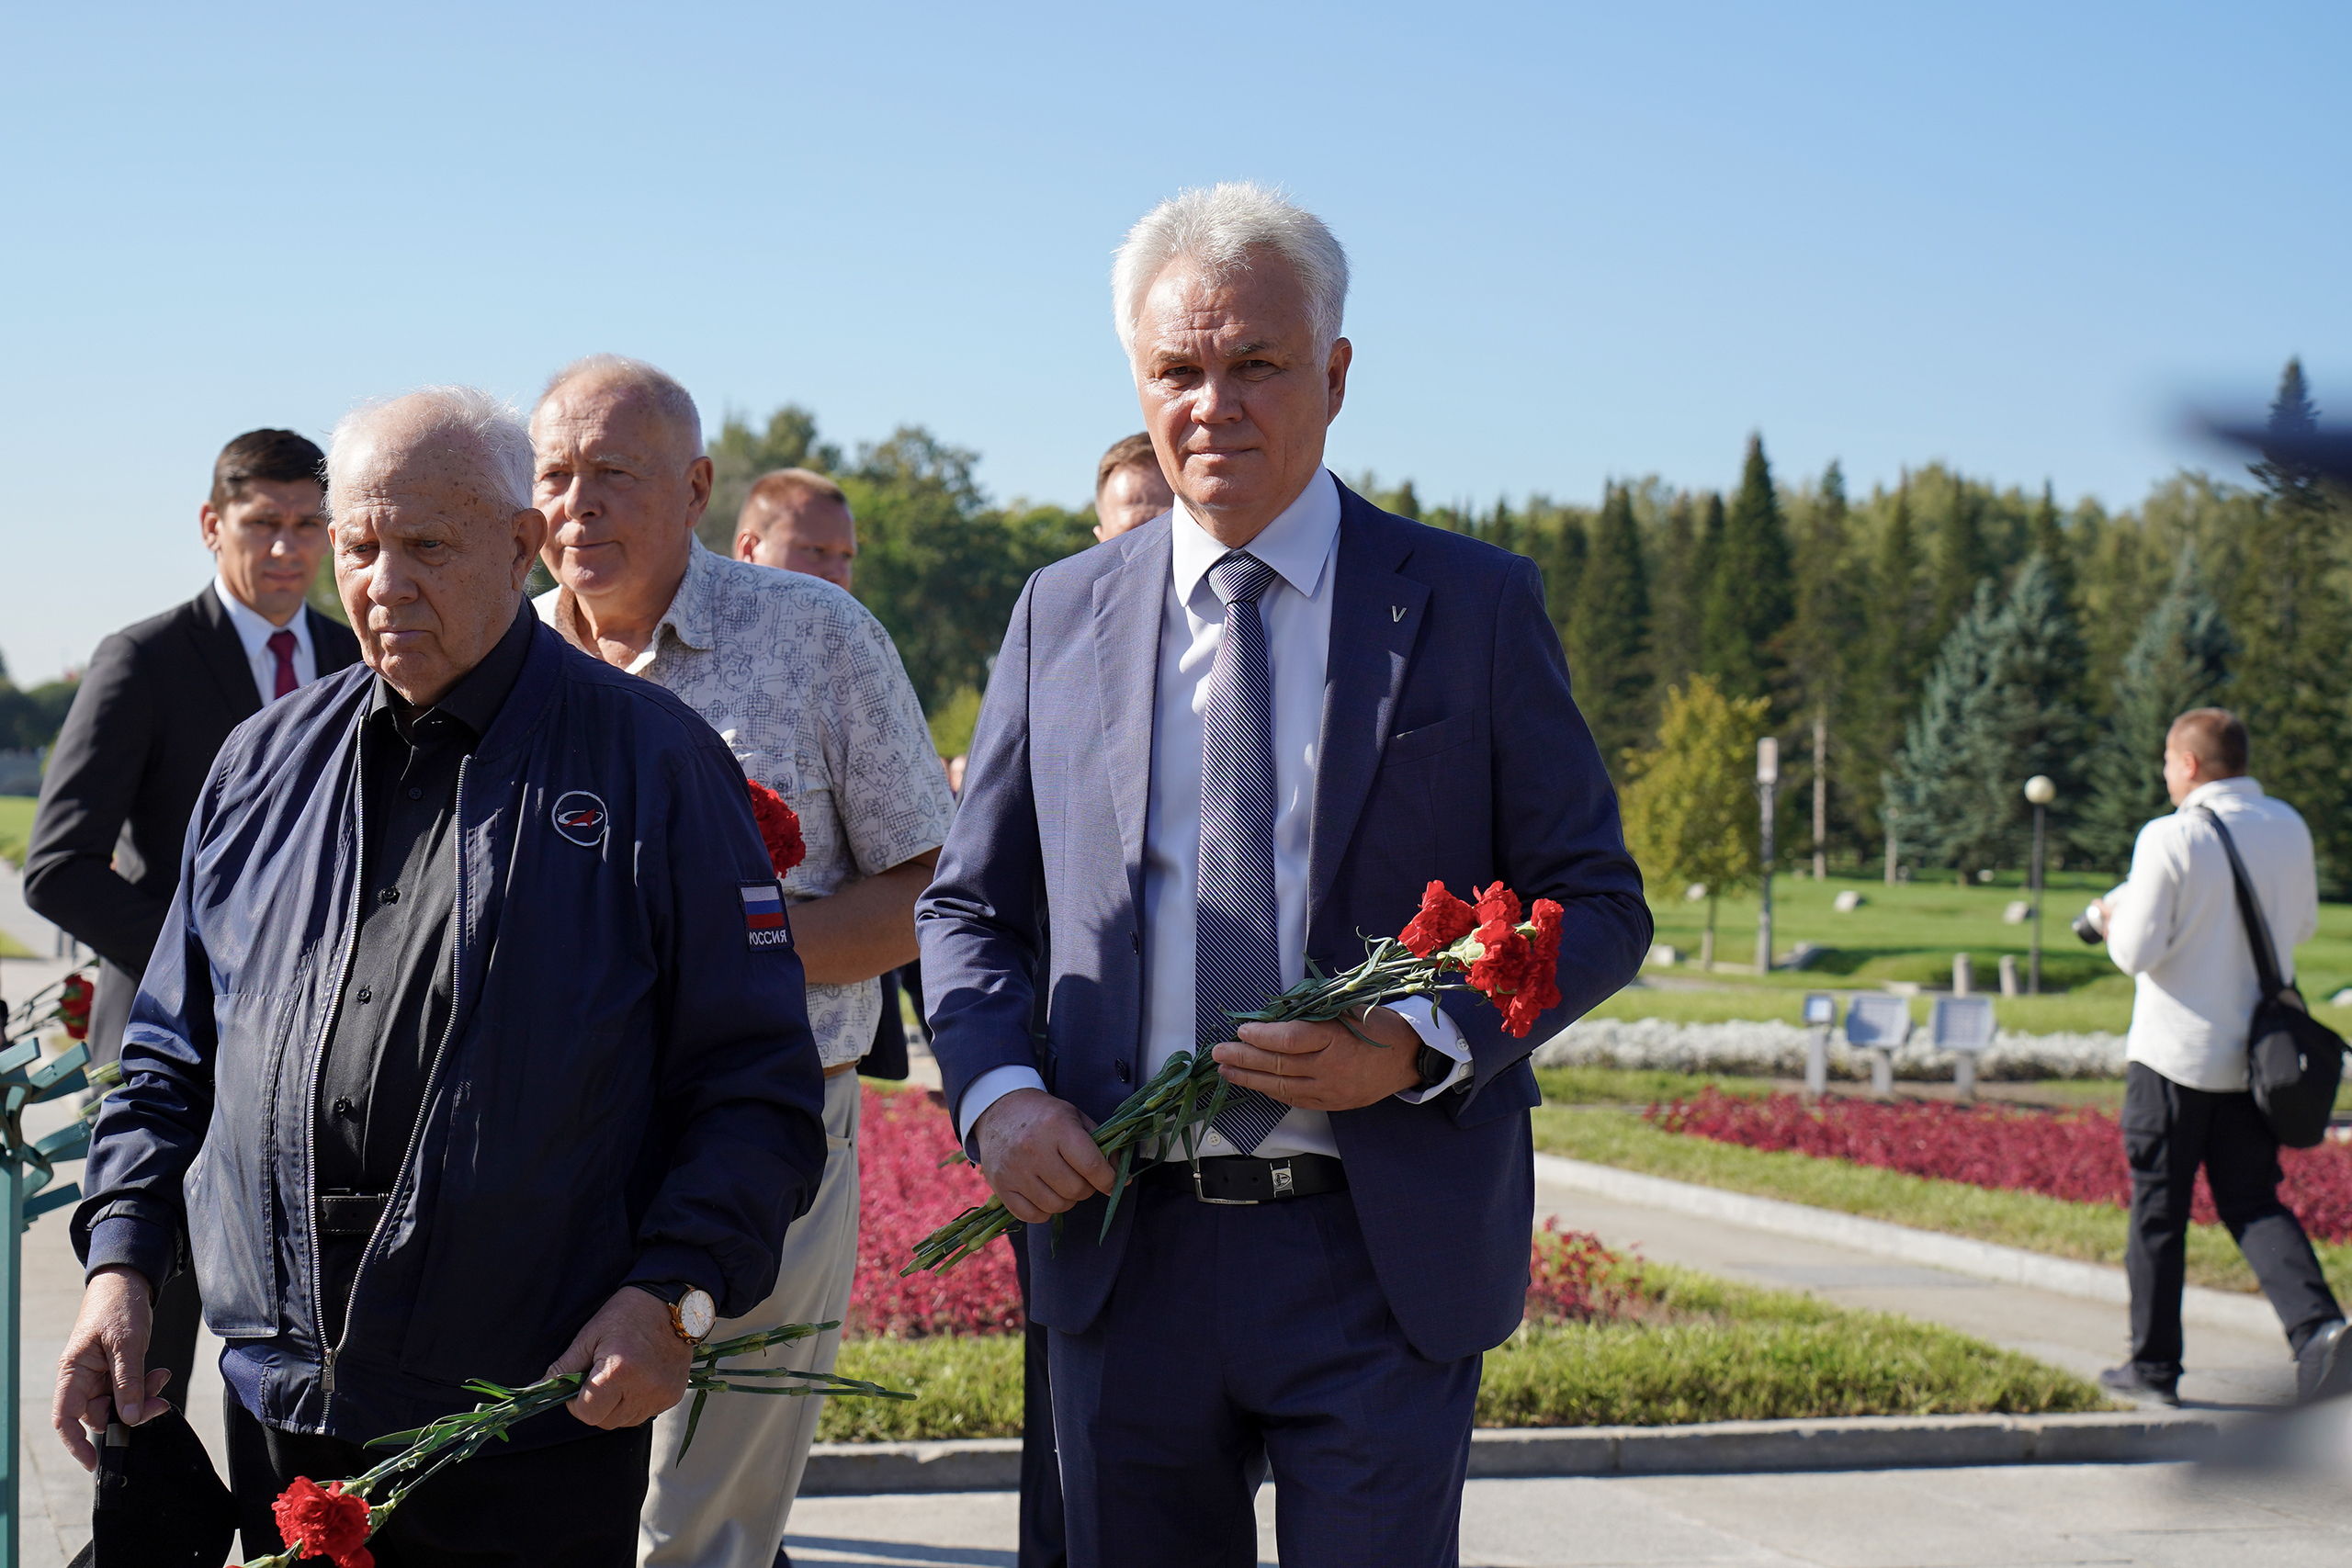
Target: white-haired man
456,1002
1214,749
804,686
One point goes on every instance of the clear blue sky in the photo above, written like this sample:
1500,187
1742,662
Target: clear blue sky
1589,240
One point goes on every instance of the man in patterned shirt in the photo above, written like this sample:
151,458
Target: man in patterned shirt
805,687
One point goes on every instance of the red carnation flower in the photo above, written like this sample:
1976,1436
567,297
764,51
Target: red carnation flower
1444,921
1500,970
779,826
1538,990
73,1006
325,1522
1497,903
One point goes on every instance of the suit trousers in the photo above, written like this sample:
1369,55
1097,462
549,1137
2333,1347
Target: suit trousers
1041,1464
727,1503
1240,1333
2168,1132
570,1504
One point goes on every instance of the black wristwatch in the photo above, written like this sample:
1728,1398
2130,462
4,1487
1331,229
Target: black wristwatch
1433,1065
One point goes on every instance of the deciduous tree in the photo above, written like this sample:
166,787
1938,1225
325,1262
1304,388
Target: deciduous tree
1689,801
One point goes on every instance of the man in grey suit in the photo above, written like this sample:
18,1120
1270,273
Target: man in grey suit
1213,750
149,717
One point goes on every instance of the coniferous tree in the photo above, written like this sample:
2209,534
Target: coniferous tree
1680,602
2292,681
2180,661
2046,538
1609,633
1999,707
1892,659
1963,560
1748,593
1823,640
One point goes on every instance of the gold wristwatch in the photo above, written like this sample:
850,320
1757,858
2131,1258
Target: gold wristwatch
692,1312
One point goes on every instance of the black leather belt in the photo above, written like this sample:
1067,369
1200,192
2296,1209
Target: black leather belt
1243,1178
351,1213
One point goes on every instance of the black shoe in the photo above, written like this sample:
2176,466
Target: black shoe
2323,1369
2132,1383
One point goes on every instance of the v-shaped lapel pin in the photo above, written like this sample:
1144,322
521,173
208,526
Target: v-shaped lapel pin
1395,613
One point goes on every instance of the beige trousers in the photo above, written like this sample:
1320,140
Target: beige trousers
726,1505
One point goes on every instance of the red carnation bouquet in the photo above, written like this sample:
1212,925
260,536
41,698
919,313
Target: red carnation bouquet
1449,944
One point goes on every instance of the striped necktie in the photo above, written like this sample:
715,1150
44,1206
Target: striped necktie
1236,941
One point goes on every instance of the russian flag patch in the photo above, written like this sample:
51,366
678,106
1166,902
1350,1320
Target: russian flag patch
763,922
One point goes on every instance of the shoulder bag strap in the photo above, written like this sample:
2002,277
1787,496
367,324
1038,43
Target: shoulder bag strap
2258,929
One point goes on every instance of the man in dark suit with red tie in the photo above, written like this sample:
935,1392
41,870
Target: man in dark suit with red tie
159,699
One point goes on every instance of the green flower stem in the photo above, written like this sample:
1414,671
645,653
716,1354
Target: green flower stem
452,1439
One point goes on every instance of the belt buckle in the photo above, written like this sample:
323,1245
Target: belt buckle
1222,1202
1285,1184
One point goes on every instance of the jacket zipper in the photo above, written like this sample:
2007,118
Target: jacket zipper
432,1075
319,1048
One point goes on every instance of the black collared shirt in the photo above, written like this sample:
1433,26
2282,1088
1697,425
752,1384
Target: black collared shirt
396,995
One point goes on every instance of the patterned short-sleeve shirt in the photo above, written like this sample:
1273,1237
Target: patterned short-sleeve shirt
805,687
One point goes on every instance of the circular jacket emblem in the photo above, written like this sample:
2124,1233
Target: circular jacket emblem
582,817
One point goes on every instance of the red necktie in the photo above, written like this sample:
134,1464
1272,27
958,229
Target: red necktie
281,643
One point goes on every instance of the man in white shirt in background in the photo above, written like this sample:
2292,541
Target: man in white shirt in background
2175,927
806,690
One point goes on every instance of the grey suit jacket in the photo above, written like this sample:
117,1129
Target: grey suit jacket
1451,749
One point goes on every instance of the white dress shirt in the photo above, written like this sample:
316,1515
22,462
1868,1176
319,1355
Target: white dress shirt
255,631
2175,927
1299,545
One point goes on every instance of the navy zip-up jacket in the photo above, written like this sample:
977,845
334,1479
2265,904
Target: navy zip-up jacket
628,1090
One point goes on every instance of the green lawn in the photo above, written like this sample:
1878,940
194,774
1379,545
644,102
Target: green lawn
2092,1232
1701,1350
16,827
1909,932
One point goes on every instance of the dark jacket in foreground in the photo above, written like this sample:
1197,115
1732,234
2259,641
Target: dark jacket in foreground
628,1088
1451,749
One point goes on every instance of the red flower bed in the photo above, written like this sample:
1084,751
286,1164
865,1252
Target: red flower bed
2077,1155
1571,1277
903,1196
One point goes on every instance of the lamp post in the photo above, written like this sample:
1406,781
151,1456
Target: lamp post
1768,780
2041,792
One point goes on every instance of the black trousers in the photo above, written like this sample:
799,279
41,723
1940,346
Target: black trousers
1042,1541
2168,1132
570,1504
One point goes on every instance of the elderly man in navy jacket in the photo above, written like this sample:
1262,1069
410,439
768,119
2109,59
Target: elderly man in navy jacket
1228,742
463,1055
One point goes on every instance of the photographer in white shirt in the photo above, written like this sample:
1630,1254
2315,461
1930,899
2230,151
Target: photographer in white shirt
2173,926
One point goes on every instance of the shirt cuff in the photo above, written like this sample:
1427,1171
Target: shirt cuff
129,1242
987,1090
1439,1032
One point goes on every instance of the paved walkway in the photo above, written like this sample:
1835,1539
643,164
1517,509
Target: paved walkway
2224,1369
2155,1515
